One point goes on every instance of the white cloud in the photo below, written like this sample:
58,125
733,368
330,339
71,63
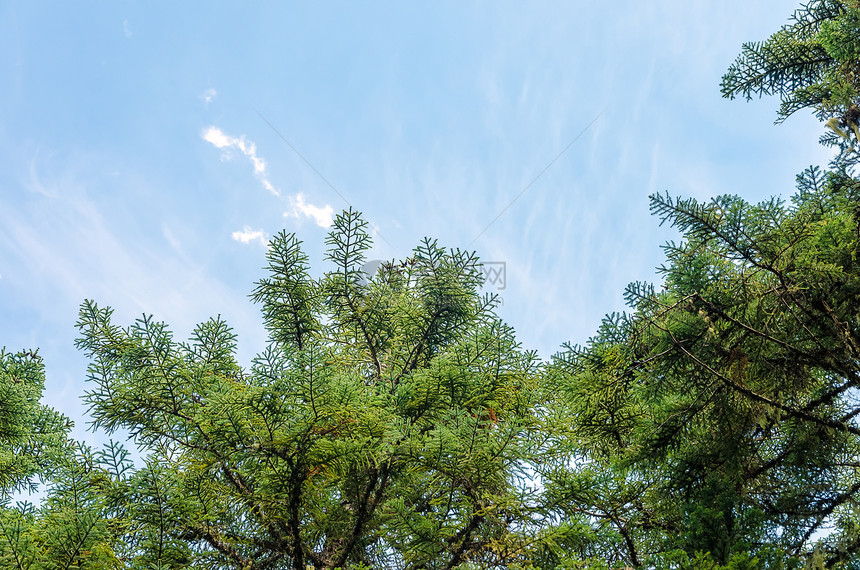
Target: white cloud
247,235
126,29
225,142
208,96
322,216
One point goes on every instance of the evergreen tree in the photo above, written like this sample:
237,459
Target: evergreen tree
721,415
395,422
31,434
70,529
717,423
812,62
389,423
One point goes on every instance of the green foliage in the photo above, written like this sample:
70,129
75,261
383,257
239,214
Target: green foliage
31,435
720,416
393,421
840,36
804,62
70,528
389,422
715,426
812,62
73,526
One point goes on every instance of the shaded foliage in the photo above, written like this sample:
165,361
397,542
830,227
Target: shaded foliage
721,414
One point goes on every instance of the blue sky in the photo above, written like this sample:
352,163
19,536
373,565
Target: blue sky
142,162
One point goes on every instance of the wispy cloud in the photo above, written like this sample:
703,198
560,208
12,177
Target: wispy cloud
208,96
323,216
247,235
225,142
126,29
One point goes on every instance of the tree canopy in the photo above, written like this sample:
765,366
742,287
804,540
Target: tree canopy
394,421
717,422
724,406
389,422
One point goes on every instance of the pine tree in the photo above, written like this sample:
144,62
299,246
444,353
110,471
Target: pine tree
717,423
389,423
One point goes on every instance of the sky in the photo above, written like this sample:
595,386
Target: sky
148,151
